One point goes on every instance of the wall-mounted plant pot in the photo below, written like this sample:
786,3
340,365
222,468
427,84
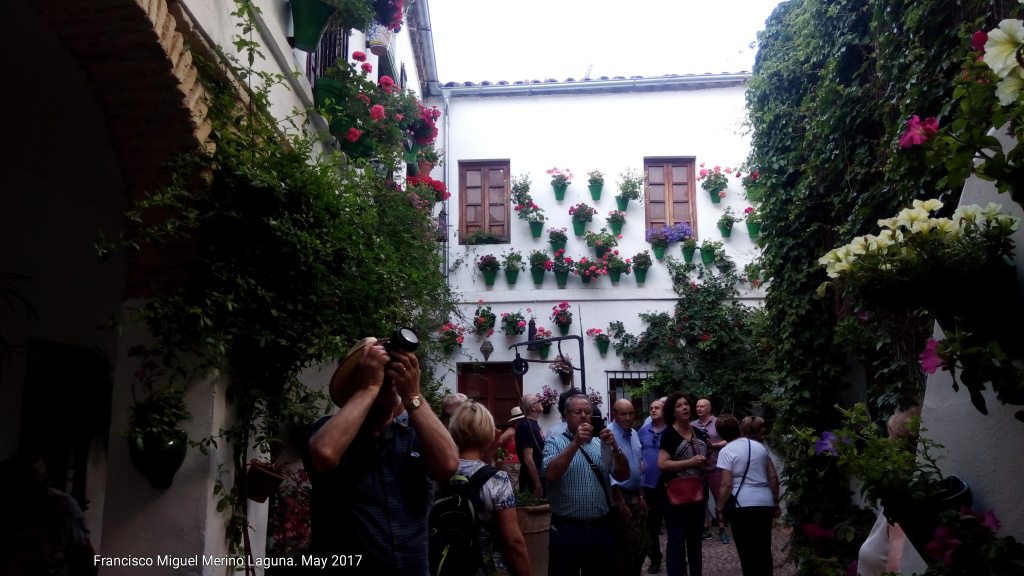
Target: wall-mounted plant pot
560,191
561,278
489,276
688,254
544,350
556,246
424,167
602,347
547,408
600,251
563,329
725,230
579,228
159,458
511,276
536,229
309,18
753,228
379,38
538,276
715,198
641,275
262,480
616,227
566,378
595,190
659,252
621,203
614,275
919,519
449,349
707,256
586,278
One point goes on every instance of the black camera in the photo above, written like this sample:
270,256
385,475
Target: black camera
597,420
402,339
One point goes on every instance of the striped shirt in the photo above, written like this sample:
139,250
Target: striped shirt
578,494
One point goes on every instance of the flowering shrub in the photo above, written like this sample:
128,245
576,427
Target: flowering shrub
548,396
595,398
728,219
539,260
561,263
604,239
616,217
596,178
524,206
749,179
431,154
451,335
642,260
560,177
598,335
488,262
714,180
512,324
423,126
658,237
513,261
561,315
557,235
631,184
589,268
428,188
483,321
582,213
614,263
288,528
561,365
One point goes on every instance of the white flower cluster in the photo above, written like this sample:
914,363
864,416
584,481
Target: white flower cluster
1001,56
900,230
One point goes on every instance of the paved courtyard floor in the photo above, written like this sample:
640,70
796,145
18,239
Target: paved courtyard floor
721,559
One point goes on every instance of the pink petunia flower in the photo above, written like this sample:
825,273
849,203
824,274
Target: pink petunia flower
918,132
943,546
930,359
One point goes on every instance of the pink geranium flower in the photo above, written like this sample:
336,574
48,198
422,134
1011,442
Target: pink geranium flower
918,132
367,67
930,359
943,546
359,57
353,134
377,112
386,82
364,98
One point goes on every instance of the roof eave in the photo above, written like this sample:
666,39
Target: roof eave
661,83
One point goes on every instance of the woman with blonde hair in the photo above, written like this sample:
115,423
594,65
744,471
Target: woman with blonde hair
472,428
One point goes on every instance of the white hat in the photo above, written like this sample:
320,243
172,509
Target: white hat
517,414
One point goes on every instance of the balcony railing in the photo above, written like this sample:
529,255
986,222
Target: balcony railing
334,45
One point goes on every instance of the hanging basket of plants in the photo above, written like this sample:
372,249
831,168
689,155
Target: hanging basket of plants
262,479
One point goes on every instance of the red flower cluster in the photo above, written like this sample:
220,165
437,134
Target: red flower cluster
424,130
377,112
366,67
531,205
359,57
815,532
353,134
364,98
918,132
705,337
389,13
387,83
439,188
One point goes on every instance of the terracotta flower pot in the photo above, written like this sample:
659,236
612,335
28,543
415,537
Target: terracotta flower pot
262,480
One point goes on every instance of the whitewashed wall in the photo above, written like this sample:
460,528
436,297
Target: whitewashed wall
585,132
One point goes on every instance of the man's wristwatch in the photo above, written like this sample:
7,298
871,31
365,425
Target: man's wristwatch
413,403
616,451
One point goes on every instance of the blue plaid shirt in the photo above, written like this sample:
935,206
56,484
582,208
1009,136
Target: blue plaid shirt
375,502
578,494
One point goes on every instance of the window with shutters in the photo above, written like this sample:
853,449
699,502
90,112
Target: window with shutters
670,192
483,200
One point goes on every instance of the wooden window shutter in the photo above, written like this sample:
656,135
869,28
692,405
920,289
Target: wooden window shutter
483,199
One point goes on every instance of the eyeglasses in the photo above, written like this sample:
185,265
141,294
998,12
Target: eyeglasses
580,412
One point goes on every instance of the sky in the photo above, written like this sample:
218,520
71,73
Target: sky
511,40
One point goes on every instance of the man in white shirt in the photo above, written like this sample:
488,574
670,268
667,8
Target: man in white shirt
628,495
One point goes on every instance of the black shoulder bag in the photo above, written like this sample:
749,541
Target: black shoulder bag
732,504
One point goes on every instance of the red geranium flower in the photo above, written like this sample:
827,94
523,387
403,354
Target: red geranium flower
377,112
367,67
364,98
359,57
386,83
353,134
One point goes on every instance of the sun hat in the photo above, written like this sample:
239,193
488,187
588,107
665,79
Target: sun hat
340,377
517,414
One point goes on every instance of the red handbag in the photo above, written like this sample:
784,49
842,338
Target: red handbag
685,490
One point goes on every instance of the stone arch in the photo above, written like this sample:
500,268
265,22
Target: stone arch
144,78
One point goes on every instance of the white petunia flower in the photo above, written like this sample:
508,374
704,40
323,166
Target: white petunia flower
931,205
921,227
887,223
1009,88
968,213
945,225
858,245
908,216
991,211
1001,47
829,258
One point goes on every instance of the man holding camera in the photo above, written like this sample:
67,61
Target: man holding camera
369,463
578,467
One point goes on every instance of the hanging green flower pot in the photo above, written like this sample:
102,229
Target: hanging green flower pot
622,203
544,349
158,457
410,155
536,229
489,276
309,18
641,275
556,246
563,329
715,198
579,228
753,228
511,276
595,190
559,191
725,230
617,227
707,256
688,254
659,252
614,275
449,348
600,251
585,278
538,276
602,347
562,278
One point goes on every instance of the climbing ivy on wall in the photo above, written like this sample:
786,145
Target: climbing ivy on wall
833,85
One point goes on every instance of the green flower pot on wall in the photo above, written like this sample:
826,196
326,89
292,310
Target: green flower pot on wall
602,347
579,228
659,252
707,256
536,229
563,329
538,276
641,275
544,349
715,198
595,190
614,275
585,278
753,228
489,276
309,18
688,254
511,276
560,191
158,458
616,227
725,230
556,246
622,203
562,278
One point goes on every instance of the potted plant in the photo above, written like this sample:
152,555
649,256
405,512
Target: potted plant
616,266
615,220
481,236
709,250
512,263
483,321
539,263
631,184
753,221
489,265
595,398
451,337
428,157
512,324
557,238
641,264
689,247
541,334
560,180
659,240
156,445
581,214
595,183
427,188
715,181
534,517
752,273
911,490
562,317
262,479
588,269
749,181
389,13
726,221
561,266
600,338
524,206
602,241
309,18
562,365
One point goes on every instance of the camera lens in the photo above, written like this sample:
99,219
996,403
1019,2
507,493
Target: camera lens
403,339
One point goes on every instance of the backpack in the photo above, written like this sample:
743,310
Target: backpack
454,529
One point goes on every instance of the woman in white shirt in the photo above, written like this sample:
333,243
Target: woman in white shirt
748,474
